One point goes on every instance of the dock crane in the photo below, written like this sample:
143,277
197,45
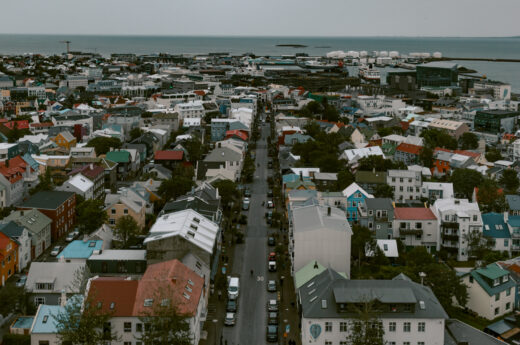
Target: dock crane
68,45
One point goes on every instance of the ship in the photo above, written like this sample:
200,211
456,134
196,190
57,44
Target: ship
370,74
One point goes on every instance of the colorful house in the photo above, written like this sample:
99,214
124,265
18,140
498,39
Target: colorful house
65,140
8,257
355,196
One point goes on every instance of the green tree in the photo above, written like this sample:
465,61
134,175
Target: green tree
493,155
227,191
468,141
488,195
509,180
91,215
438,138
478,245
195,149
465,180
83,323
179,184
345,179
312,128
102,145
135,133
15,299
366,328
426,157
361,238
379,164
126,230
384,191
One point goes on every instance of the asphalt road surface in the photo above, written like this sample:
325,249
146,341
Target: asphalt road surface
250,327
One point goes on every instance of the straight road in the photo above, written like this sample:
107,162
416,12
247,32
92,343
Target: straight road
251,320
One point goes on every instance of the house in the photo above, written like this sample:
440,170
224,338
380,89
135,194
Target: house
80,250
409,312
59,206
39,227
65,140
377,215
325,181
497,231
22,237
117,206
319,233
491,291
117,262
513,203
355,195
169,158
352,156
387,247
83,152
221,161
46,281
437,190
96,175
44,328
370,180
454,128
176,234
12,181
123,160
208,208
417,226
80,185
9,256
457,218
406,184
407,153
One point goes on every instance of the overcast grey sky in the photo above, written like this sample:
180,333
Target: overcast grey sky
263,17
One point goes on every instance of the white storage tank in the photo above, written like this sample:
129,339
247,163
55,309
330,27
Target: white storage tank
363,53
393,54
437,55
383,53
352,53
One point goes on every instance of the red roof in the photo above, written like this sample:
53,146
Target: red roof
14,172
116,294
169,280
414,213
22,124
409,148
236,132
41,125
199,92
88,172
169,155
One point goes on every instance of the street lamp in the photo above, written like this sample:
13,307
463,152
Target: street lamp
422,275
215,329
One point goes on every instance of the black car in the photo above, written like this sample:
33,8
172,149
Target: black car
270,193
271,241
271,334
231,306
247,193
272,318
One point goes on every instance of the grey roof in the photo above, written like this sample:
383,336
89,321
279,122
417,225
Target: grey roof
314,218
62,274
514,202
33,220
333,288
326,176
47,200
120,255
223,154
379,203
457,332
12,229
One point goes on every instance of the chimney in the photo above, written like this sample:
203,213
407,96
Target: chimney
63,299
111,149
373,170
328,211
91,166
316,265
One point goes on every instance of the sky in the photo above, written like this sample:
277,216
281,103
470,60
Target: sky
476,18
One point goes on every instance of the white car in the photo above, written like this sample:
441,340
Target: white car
56,250
270,204
230,319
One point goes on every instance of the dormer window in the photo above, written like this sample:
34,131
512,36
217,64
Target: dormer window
505,278
496,282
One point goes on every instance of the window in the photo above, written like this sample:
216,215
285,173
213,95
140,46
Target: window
497,310
475,217
406,327
138,327
508,305
342,326
391,343
421,327
506,242
497,296
418,225
125,211
391,327
328,326
39,300
370,225
112,221
370,212
508,292
328,342
43,342
127,343
128,327
420,343
406,343
342,342
113,211
470,279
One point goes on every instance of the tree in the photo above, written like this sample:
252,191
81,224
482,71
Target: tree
438,138
83,323
227,191
361,237
91,215
15,299
478,245
179,184
135,133
426,157
465,180
164,324
493,155
366,328
509,180
489,196
468,141
195,149
384,191
102,145
126,230
345,179
379,164
312,128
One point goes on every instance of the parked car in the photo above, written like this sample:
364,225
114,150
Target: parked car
272,256
21,281
272,305
272,318
247,193
230,319
270,204
72,236
56,250
231,306
271,286
271,241
270,193
272,333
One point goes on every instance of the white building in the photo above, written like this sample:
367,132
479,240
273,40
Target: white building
80,185
405,183
320,233
457,218
416,226
192,109
500,90
409,312
352,156
437,190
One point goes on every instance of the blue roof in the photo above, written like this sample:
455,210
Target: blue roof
495,226
293,178
31,161
45,321
24,322
514,221
500,327
80,250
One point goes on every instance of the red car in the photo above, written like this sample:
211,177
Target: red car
272,256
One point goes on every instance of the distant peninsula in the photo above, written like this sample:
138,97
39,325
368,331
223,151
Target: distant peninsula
292,45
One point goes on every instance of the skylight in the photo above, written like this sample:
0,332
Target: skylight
312,291
186,295
323,304
422,305
148,302
188,288
313,299
190,282
112,305
45,318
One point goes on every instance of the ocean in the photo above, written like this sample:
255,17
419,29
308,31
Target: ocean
502,47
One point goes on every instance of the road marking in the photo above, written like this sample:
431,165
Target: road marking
260,278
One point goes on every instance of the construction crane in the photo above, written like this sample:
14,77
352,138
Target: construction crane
68,45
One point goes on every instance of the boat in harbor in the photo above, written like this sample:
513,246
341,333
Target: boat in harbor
370,74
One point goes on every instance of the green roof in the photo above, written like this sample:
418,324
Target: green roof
492,271
119,156
309,271
370,177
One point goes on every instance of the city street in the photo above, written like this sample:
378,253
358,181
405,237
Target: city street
250,327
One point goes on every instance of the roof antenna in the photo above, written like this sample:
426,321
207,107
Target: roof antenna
316,265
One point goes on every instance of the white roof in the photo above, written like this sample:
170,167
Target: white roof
389,247
120,254
354,187
306,172
192,121
504,163
379,118
202,233
80,182
463,205
446,187
395,137
363,152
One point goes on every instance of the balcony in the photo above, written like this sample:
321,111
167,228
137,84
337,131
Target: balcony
449,225
450,237
403,232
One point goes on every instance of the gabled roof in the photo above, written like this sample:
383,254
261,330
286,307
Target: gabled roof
414,213
62,274
116,295
120,156
409,148
353,188
170,155
47,200
491,272
495,225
